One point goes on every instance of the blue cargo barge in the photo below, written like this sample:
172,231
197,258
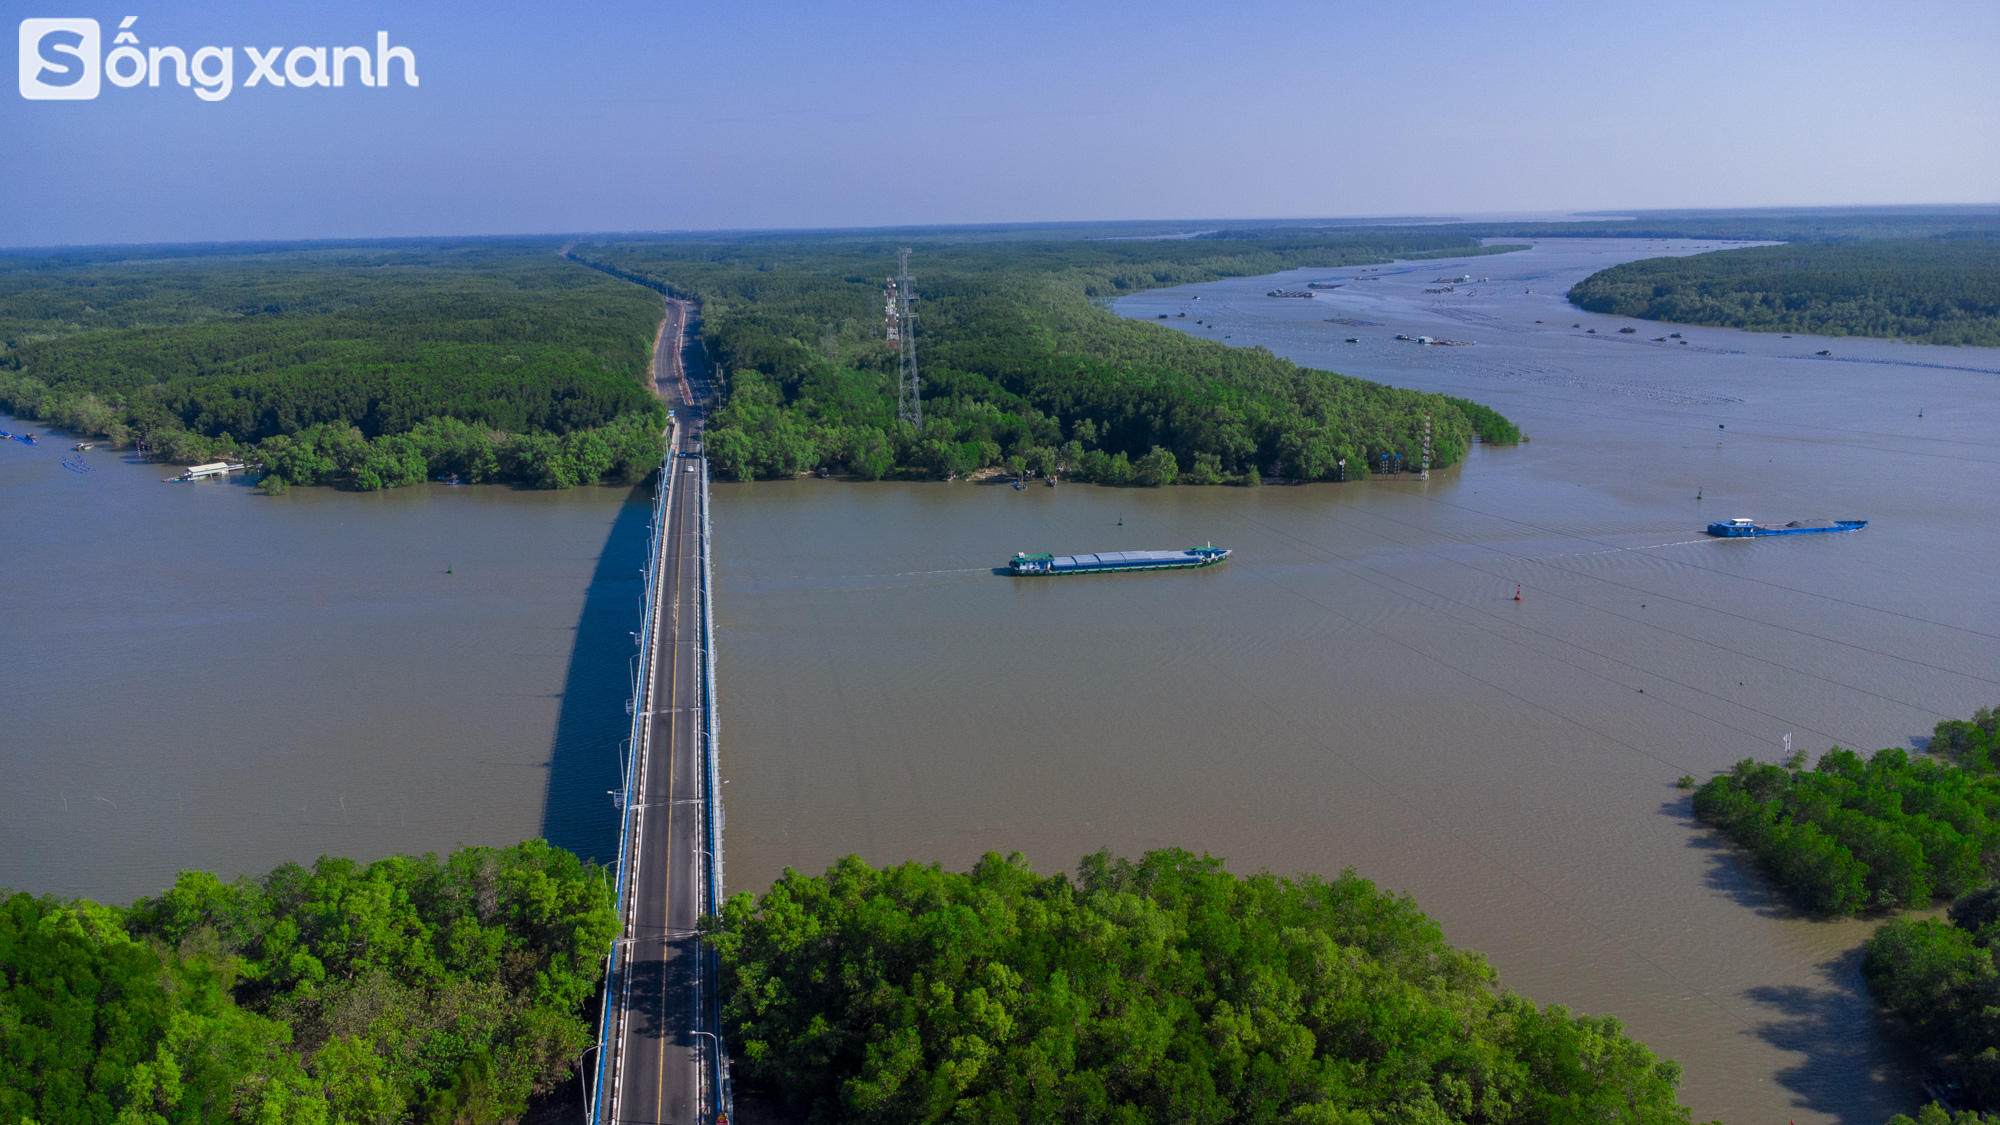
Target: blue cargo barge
1105,561
1742,528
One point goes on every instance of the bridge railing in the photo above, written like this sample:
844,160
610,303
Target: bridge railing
712,768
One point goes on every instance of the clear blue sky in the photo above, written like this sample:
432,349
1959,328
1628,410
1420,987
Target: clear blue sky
543,117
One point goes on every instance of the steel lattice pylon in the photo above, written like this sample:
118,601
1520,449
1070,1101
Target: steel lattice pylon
909,403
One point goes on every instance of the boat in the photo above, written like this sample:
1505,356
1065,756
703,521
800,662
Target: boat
28,439
1741,528
1107,561
202,472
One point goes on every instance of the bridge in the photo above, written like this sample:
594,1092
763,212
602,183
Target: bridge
659,1055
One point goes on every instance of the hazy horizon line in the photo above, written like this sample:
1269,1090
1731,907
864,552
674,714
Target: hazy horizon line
1195,225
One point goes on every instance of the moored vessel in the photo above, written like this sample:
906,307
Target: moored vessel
204,471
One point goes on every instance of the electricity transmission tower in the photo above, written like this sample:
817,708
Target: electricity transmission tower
1427,447
909,406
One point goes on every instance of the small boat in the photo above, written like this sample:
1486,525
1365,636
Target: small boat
1018,486
1741,528
27,439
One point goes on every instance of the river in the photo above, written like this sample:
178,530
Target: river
215,678
200,676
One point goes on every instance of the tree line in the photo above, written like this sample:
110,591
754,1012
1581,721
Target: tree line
1853,835
1160,990
1932,291
1938,976
206,356
409,989
1023,366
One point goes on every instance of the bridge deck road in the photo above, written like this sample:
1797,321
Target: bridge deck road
667,1072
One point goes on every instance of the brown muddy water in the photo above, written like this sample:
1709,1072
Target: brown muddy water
201,676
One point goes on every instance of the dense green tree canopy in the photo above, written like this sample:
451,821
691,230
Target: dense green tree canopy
1939,975
204,354
1935,291
1019,359
436,990
1855,834
1162,990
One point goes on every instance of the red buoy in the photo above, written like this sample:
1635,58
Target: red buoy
1517,591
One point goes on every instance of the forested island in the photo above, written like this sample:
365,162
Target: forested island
1930,291
369,366
1853,835
1023,369
1160,990
405,990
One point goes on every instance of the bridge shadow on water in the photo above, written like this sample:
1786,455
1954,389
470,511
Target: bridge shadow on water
577,812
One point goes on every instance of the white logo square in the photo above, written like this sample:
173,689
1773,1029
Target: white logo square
59,60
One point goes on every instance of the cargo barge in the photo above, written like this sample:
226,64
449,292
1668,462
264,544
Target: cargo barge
1106,561
1740,528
